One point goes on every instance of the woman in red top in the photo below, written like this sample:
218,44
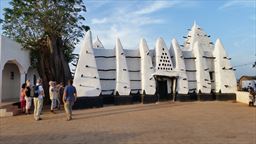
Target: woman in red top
22,97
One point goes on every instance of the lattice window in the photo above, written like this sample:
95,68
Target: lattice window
164,62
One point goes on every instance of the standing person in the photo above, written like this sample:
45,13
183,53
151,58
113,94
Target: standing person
61,91
255,87
57,96
69,97
254,94
251,96
53,92
22,97
38,99
28,97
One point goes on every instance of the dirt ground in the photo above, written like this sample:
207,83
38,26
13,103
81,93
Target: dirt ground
163,123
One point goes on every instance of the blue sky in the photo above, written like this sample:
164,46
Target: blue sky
233,21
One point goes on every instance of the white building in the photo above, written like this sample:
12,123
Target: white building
14,69
197,70
248,83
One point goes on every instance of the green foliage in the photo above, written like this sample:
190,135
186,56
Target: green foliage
30,22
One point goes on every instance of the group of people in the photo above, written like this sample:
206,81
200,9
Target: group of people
252,96
56,92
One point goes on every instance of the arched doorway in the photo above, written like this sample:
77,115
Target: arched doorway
165,87
10,82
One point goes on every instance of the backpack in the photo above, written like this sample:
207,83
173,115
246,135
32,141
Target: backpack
36,91
28,94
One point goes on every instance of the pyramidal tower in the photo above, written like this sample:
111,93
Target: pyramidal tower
86,78
97,43
147,80
196,34
224,72
179,66
122,74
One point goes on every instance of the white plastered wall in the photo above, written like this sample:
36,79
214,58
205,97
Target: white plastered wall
106,63
176,53
12,52
133,66
202,74
224,74
147,80
122,74
86,77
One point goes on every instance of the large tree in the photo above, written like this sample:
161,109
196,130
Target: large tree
50,29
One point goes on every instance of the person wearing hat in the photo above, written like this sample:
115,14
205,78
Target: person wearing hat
53,93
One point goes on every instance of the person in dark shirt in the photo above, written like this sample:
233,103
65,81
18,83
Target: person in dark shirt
251,96
69,98
28,97
61,91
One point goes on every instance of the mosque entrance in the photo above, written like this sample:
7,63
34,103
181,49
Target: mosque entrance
162,90
165,88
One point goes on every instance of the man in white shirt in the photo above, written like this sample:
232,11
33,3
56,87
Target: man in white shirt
38,99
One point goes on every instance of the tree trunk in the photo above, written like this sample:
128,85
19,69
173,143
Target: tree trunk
52,65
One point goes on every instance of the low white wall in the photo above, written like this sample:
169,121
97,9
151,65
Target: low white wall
242,97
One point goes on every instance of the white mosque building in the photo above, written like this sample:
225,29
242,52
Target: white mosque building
197,70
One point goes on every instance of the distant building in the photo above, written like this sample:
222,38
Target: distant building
199,69
246,81
15,69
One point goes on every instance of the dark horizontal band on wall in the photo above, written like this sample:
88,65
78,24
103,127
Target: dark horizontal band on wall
207,57
190,70
192,80
106,69
115,56
122,99
105,56
133,57
133,70
225,96
88,102
147,99
135,80
206,97
115,79
108,90
189,57
115,70
107,79
183,97
114,90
